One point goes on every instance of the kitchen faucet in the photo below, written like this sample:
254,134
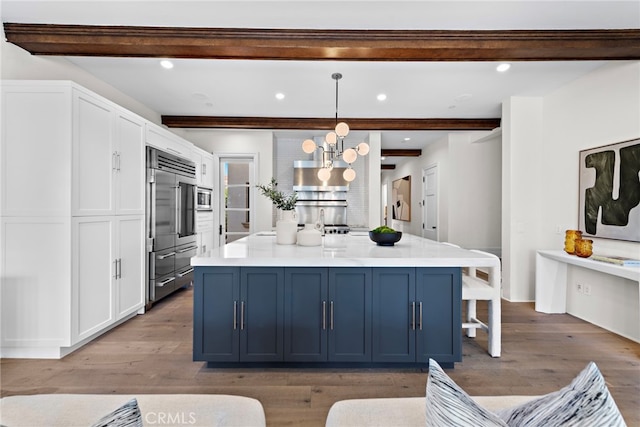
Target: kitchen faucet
320,222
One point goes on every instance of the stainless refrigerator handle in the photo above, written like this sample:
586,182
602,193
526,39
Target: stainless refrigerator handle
413,315
178,210
184,273
190,248
170,254
164,282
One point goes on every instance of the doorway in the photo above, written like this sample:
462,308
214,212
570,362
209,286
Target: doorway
237,176
430,203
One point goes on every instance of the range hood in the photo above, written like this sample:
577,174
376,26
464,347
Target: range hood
305,176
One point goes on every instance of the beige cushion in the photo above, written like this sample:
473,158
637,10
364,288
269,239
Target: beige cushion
157,409
405,411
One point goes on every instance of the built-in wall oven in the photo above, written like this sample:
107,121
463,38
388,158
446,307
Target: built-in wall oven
171,235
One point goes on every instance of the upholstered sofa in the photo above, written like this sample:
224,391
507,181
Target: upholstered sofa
401,411
586,401
85,410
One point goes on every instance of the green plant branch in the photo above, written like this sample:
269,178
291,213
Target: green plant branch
286,202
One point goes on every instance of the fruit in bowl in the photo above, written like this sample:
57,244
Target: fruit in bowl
385,236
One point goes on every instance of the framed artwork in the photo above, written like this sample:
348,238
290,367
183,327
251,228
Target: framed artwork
610,191
401,199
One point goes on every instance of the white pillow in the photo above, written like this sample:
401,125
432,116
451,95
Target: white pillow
448,405
584,402
128,415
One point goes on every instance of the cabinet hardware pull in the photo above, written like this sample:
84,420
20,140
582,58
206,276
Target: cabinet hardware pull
242,315
174,151
164,282
331,315
413,315
235,315
190,248
324,315
420,305
170,254
184,273
119,268
115,269
113,161
118,161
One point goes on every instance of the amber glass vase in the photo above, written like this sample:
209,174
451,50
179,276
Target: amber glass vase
584,247
569,240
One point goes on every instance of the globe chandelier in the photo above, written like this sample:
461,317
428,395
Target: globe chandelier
335,144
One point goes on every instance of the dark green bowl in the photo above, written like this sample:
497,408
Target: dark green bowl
385,239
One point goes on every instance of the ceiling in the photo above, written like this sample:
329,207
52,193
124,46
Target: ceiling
414,89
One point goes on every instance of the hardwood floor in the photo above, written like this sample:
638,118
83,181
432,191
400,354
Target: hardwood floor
152,354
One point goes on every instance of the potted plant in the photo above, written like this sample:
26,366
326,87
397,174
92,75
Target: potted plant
287,225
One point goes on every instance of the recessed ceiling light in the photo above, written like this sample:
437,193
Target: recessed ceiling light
381,97
166,64
383,158
280,95
407,139
503,67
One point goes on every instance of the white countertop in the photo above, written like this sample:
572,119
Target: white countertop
357,250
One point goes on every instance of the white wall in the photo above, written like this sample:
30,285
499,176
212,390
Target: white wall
542,138
18,64
241,142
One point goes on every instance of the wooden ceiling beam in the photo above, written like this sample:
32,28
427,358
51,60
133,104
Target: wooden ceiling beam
293,123
391,152
333,45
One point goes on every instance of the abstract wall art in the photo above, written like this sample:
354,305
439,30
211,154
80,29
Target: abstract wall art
610,191
401,198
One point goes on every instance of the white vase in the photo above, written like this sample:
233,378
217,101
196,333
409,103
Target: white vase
286,228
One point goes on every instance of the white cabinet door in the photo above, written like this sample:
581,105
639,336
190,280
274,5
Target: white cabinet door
167,141
130,265
35,152
206,241
94,159
94,270
130,165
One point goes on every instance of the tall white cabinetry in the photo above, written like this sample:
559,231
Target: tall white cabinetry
205,219
72,221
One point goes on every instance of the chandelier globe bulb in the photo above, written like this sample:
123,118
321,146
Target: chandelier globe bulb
309,146
363,148
349,175
350,155
324,174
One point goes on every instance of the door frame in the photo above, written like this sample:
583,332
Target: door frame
424,201
218,159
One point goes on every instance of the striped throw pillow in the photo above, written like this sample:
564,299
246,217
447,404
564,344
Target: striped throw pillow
449,406
128,415
584,402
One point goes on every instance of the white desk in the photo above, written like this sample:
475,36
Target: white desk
551,277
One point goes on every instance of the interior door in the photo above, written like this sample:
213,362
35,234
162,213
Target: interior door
237,182
430,203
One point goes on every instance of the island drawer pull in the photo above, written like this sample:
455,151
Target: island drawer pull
331,314
242,315
413,315
235,315
324,315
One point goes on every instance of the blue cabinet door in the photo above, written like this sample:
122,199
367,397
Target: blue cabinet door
349,312
305,315
261,314
393,315
215,304
439,330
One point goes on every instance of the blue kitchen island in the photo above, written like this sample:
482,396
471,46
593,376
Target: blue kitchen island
347,303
